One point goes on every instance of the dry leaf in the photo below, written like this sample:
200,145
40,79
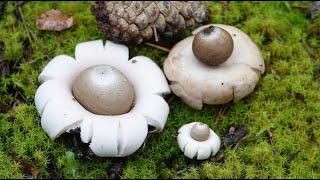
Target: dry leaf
29,169
54,20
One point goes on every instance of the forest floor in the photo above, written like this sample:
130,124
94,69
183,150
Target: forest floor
282,115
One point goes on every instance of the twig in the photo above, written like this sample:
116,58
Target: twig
158,47
299,6
225,8
171,99
239,142
25,25
155,33
220,113
271,137
30,33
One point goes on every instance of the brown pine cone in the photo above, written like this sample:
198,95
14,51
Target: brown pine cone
136,21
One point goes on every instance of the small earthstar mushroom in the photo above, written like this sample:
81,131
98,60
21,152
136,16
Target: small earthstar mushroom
103,90
198,141
212,45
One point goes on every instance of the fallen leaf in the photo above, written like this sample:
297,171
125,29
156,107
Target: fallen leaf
28,168
54,20
234,136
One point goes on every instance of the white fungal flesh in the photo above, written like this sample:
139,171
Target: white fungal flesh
197,83
60,67
197,149
61,114
154,108
109,136
148,76
116,136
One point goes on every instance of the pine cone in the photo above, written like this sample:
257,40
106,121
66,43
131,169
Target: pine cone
136,21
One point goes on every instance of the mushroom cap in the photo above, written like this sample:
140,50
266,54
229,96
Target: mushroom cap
200,132
104,90
197,83
212,45
197,149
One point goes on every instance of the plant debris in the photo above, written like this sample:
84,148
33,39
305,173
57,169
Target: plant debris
6,67
2,4
314,9
54,20
74,140
300,97
31,171
233,137
221,112
116,169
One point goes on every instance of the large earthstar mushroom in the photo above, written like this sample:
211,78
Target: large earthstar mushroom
110,98
215,65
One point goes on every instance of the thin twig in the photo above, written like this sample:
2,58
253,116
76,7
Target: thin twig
239,142
24,24
220,113
158,47
171,99
271,137
155,33
300,6
30,33
225,8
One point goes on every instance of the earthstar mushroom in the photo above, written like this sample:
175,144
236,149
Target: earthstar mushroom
198,141
109,135
196,82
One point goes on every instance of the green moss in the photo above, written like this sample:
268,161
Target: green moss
285,101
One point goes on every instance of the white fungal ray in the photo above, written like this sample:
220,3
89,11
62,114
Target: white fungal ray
147,76
60,67
197,149
109,136
48,90
116,53
154,108
114,136
197,83
90,53
60,114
